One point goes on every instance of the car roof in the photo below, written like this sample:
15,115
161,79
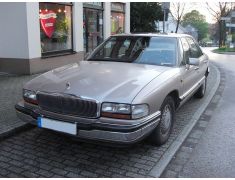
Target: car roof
154,35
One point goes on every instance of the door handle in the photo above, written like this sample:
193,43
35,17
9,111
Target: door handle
205,61
196,68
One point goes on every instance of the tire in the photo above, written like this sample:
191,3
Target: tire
201,91
162,132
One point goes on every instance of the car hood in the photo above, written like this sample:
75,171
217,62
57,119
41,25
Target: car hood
102,81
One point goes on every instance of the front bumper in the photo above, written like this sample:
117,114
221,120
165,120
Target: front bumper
115,133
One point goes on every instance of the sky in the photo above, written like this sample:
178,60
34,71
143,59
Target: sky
202,8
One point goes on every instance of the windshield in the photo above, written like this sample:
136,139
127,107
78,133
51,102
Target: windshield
138,49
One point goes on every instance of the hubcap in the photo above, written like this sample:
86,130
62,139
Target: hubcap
166,119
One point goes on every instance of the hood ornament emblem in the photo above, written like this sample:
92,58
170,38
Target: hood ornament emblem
68,85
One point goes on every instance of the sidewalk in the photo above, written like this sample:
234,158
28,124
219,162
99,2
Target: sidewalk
10,94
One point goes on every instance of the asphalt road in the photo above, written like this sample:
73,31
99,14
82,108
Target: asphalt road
214,155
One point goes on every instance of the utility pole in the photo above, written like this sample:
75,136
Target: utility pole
165,9
164,19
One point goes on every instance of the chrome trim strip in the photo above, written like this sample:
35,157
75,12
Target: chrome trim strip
118,136
192,88
138,121
154,115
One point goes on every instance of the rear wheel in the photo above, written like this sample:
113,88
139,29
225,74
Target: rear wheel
162,132
202,90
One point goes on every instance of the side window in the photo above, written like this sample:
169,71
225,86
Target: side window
195,51
185,46
124,47
108,47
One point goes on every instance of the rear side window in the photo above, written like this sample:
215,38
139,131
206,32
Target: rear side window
195,51
186,48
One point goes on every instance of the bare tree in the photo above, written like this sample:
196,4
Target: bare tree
177,11
218,10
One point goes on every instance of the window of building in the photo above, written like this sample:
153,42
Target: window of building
117,18
55,28
92,25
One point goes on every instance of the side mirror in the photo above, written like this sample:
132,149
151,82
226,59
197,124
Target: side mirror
193,61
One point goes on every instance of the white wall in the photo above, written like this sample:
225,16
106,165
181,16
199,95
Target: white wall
107,19
33,29
13,30
78,41
170,25
19,32
127,18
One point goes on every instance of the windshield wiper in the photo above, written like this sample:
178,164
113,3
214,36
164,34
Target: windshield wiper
166,64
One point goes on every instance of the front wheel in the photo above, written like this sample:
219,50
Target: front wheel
162,132
202,90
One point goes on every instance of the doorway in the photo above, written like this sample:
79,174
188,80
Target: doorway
93,28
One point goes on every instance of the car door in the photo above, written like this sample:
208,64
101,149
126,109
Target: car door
196,52
188,72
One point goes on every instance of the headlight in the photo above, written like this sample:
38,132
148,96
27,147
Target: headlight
30,96
124,111
139,111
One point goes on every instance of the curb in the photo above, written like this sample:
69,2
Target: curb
224,53
13,131
174,147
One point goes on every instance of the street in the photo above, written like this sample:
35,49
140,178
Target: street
214,156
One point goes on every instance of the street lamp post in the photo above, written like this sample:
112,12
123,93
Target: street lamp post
165,8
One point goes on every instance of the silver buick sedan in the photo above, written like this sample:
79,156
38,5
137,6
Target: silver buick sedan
127,89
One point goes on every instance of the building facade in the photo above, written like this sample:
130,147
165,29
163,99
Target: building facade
170,25
39,36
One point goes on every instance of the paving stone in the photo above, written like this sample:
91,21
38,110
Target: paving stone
134,175
44,173
196,134
89,174
16,169
170,174
3,172
73,175
174,167
186,149
4,159
130,168
13,175
142,166
203,124
4,165
59,171
29,174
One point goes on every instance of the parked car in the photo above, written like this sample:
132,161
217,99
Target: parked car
127,89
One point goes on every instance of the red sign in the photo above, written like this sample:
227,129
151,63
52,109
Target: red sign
48,20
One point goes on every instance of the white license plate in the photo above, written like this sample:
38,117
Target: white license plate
61,126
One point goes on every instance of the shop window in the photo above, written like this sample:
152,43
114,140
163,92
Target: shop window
117,18
55,27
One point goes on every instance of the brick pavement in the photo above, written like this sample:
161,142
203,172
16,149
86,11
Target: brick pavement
10,94
43,153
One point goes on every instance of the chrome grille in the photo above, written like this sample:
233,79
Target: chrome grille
67,104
